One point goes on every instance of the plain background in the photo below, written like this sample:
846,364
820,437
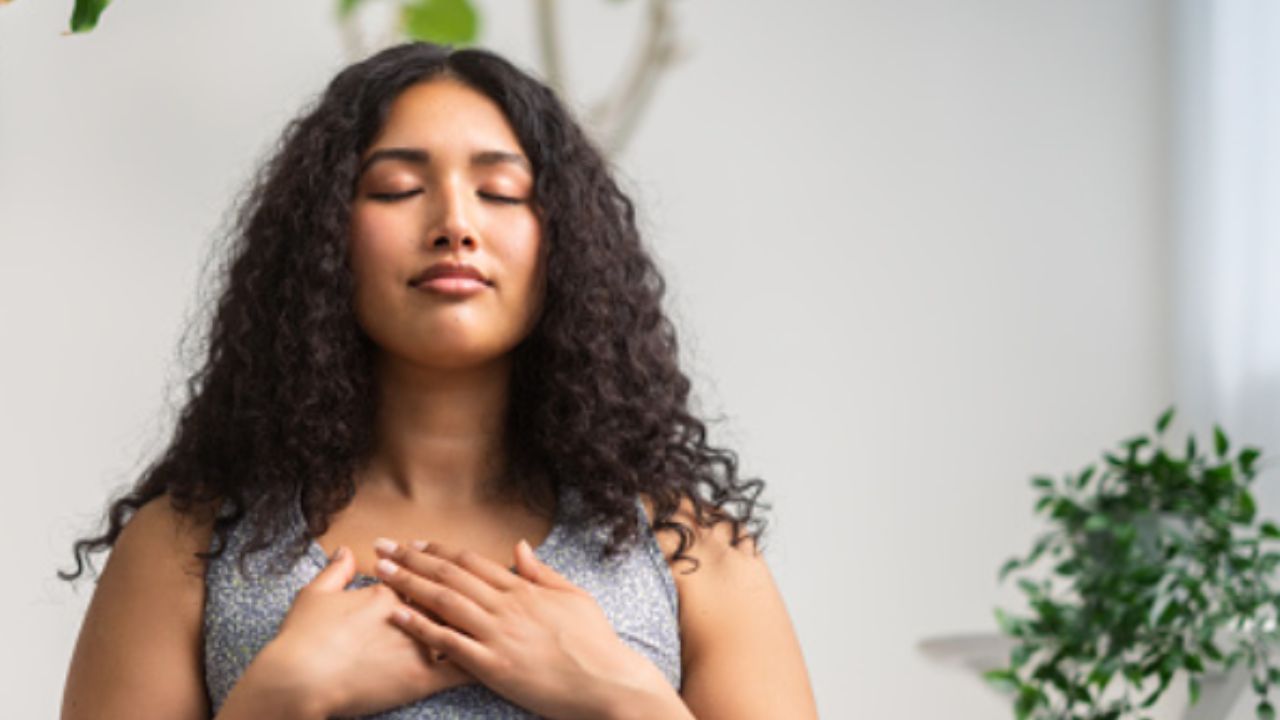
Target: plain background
918,251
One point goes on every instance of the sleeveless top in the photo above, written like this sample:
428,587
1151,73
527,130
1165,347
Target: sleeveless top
635,590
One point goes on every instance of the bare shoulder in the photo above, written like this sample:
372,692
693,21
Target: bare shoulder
158,529
739,651
138,652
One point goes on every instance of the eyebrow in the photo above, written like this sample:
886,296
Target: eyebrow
417,156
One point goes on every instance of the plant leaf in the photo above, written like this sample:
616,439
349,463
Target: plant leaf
1003,680
1097,522
1009,624
1084,477
1220,444
1247,457
345,7
448,22
1246,508
1265,711
1163,423
84,17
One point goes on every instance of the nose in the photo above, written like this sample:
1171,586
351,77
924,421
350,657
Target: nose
451,226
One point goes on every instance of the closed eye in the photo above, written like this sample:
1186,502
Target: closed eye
504,199
387,197
391,197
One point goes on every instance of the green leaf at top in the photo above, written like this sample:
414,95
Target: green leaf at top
345,7
1220,443
85,15
448,22
1165,418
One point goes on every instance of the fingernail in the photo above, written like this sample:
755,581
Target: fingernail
339,554
419,545
386,567
525,543
386,545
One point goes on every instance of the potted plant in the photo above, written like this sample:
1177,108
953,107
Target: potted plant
1153,564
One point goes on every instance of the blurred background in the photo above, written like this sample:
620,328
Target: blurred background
919,250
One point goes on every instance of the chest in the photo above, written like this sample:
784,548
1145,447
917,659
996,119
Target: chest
636,591
492,534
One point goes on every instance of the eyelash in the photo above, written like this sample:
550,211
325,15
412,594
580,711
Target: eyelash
391,197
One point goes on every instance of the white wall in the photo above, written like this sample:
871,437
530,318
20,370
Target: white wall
918,249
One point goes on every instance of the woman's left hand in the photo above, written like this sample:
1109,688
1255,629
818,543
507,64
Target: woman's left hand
531,636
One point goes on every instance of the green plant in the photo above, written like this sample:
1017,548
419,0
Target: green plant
1155,565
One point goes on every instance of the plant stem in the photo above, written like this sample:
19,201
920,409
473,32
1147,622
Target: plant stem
617,115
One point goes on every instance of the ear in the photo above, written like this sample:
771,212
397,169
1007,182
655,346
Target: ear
536,571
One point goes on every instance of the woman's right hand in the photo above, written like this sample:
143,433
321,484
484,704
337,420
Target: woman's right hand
341,651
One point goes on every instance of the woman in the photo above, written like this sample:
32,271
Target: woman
438,320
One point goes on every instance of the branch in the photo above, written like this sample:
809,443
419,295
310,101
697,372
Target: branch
549,45
616,116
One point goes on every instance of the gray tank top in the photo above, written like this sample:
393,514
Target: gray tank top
635,590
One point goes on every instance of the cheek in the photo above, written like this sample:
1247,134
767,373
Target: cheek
370,245
536,282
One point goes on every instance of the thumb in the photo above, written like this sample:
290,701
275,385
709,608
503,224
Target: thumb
340,571
534,570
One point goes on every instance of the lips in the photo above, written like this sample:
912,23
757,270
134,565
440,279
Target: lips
449,270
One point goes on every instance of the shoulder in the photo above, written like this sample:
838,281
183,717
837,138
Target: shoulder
159,544
710,595
141,635
158,532
733,618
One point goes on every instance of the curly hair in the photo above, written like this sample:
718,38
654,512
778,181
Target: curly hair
281,409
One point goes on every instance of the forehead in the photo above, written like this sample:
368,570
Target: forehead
443,113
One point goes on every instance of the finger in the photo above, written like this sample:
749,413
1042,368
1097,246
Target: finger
338,573
534,570
479,565
443,572
442,641
454,608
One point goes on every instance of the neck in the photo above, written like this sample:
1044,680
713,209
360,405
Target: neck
440,434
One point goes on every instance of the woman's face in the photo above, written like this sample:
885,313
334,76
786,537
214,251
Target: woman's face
446,181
